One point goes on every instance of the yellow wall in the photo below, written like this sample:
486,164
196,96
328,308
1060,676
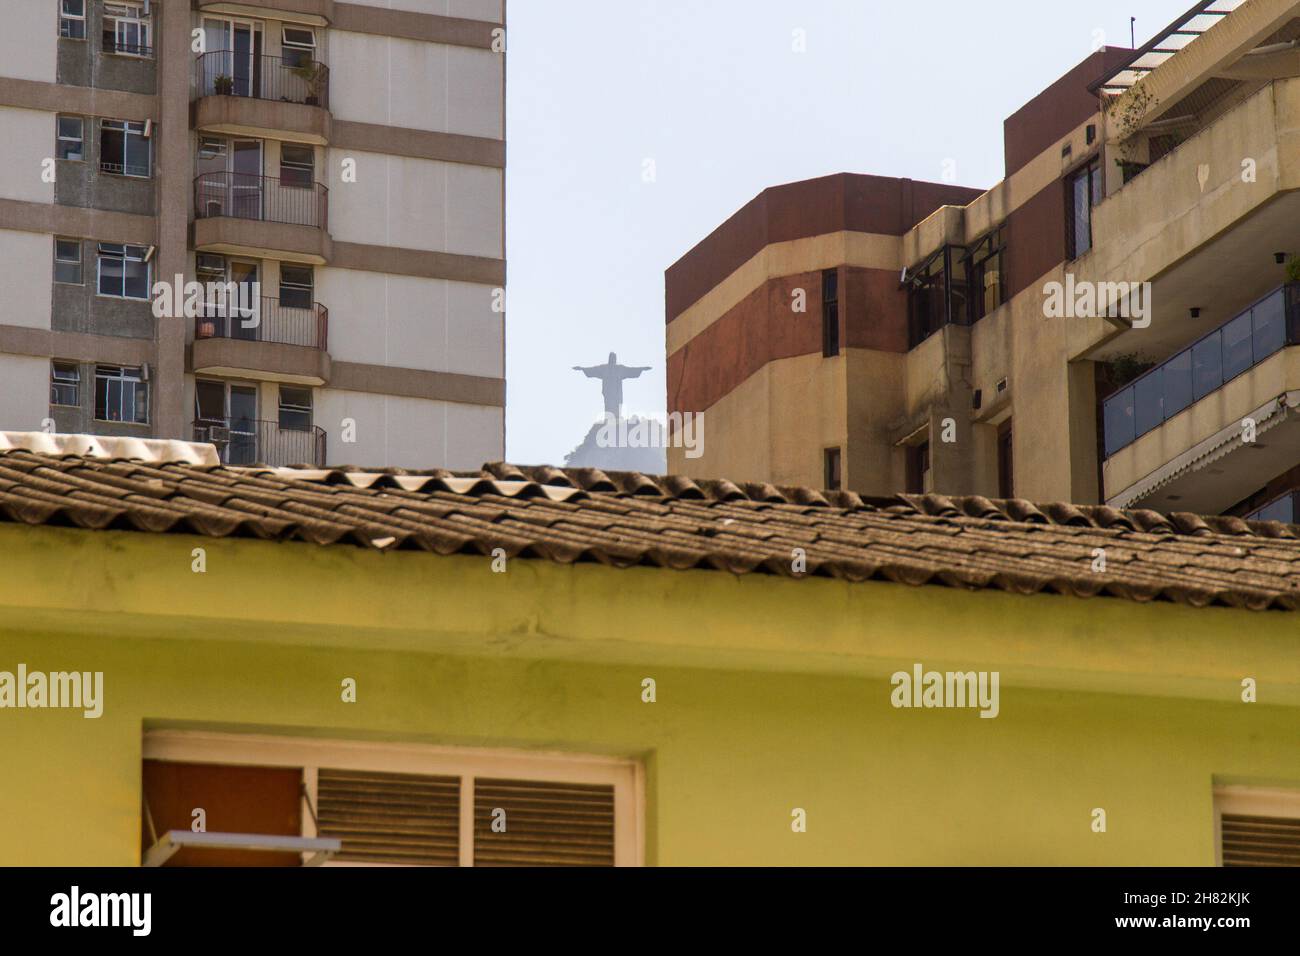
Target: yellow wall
772,694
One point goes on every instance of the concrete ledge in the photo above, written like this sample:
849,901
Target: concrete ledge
75,346
431,28
83,100
77,221
264,360
318,12
419,143
419,383
245,115
419,262
252,237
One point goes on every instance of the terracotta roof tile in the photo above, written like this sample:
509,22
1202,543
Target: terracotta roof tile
677,523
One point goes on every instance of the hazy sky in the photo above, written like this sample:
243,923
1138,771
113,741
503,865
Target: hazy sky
713,93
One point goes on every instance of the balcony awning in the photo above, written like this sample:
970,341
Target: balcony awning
1169,41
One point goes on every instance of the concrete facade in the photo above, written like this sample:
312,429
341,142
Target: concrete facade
1013,401
383,172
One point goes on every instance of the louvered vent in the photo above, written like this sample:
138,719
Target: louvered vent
546,824
390,817
1260,841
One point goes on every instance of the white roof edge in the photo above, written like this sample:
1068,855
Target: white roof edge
156,450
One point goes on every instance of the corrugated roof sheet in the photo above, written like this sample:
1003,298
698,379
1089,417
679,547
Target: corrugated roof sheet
627,519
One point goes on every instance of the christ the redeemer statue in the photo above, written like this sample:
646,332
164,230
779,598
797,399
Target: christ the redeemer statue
611,376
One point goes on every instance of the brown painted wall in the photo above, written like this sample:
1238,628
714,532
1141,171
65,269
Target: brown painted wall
1035,238
815,207
761,328
1057,110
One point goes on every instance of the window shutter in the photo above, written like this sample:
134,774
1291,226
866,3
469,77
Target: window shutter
390,817
1260,841
546,824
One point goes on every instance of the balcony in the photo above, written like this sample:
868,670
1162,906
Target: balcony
261,96
242,441
263,216
270,341
1233,349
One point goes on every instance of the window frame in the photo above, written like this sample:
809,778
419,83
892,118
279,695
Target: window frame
143,48
57,383
297,46
69,18
1251,801
60,139
81,272
127,128
294,408
1092,171
140,386
830,313
297,167
626,775
126,256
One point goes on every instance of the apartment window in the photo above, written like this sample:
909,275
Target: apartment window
65,383
299,47
126,29
386,803
72,19
832,477
297,165
295,408
67,261
71,143
1257,826
121,394
918,468
123,148
1084,191
830,312
296,287
1006,476
984,268
122,271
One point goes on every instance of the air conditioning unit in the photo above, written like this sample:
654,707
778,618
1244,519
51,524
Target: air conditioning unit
219,434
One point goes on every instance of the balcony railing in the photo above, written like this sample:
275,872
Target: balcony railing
1285,509
122,48
243,441
268,198
230,73
1207,365
267,320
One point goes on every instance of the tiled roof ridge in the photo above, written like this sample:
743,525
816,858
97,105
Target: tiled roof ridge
622,519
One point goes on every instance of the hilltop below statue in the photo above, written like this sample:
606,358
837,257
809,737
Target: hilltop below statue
614,443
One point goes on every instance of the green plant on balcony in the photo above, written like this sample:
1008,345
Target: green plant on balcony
1123,369
1293,270
223,85
313,76
1128,112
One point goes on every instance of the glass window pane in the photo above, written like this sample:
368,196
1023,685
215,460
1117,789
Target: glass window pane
137,279
1178,383
1270,326
110,275
1207,366
1082,208
137,156
1119,421
1149,400
1236,347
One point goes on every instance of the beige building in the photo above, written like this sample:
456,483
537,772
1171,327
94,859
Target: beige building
330,174
889,335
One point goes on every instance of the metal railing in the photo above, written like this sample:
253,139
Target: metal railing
267,320
267,198
1205,366
1285,509
230,73
112,45
243,441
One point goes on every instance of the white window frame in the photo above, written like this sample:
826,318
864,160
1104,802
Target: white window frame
295,45
81,270
69,18
80,139
293,409
626,775
126,14
127,128
298,167
137,379
129,253
1254,802
56,382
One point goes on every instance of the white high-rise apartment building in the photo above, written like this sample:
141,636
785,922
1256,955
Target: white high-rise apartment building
330,173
